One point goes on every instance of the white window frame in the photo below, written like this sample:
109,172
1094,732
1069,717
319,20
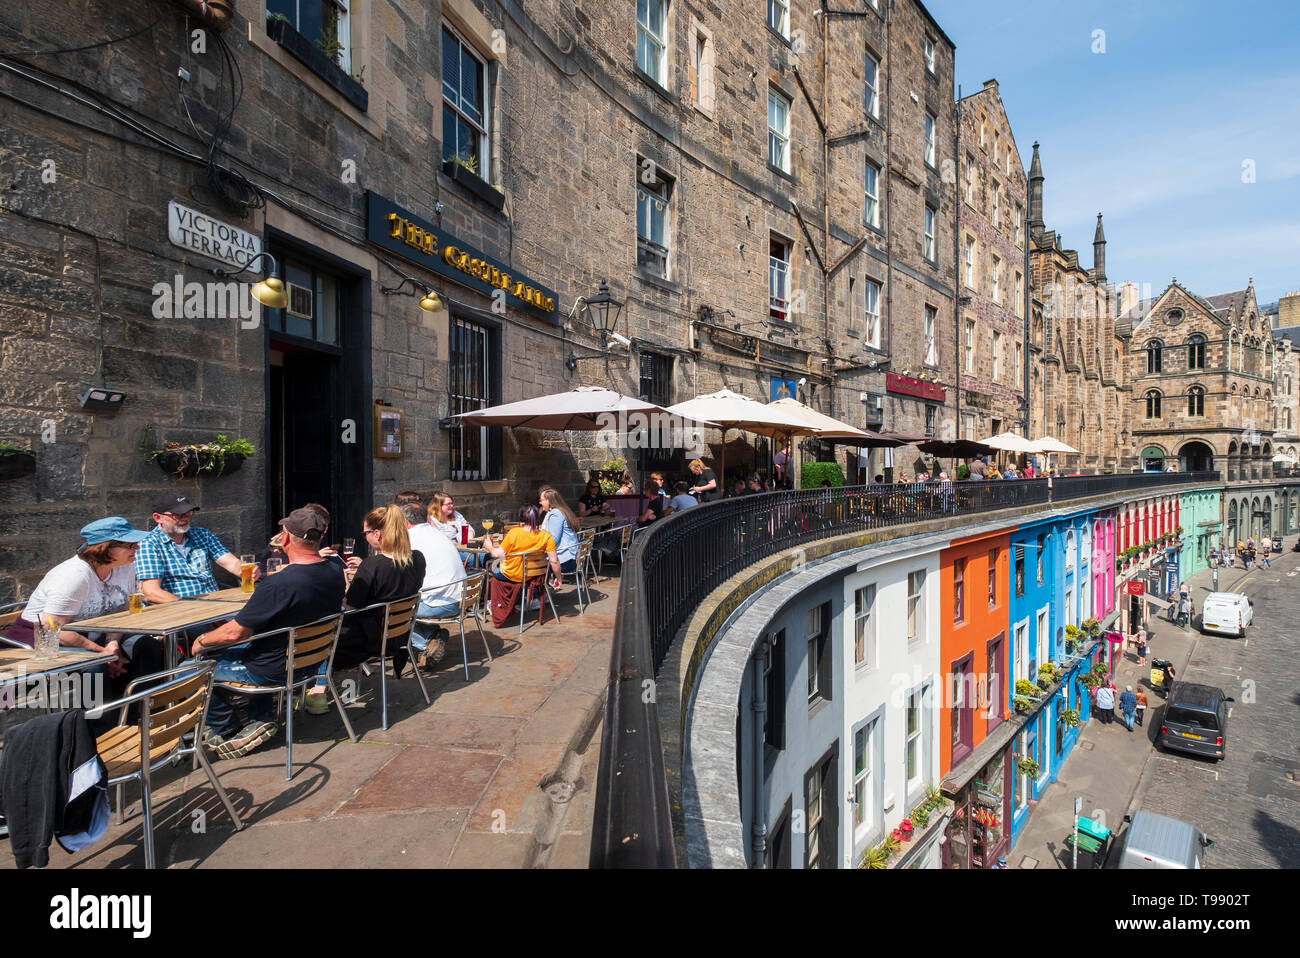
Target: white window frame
1020,365
653,41
483,156
1020,225
928,249
864,627
780,11
969,255
931,125
863,794
968,348
931,336
1020,294
814,662
872,70
1021,651
914,739
997,147
655,197
778,139
871,302
997,279
871,179
915,605
970,179
997,356
995,191
778,281
928,54
1042,639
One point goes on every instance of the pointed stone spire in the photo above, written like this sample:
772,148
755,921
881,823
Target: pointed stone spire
1099,253
1035,194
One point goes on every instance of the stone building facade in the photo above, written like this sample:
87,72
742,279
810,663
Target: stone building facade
708,161
991,258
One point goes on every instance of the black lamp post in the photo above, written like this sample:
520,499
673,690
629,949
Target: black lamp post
604,310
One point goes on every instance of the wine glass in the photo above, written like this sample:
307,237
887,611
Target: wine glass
349,548
488,524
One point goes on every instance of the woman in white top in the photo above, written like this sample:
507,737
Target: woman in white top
560,522
444,517
98,580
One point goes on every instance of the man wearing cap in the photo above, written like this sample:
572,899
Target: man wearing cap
309,588
174,561
1128,705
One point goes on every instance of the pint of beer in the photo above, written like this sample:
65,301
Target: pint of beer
246,576
135,603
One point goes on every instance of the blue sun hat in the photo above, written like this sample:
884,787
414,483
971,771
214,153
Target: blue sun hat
112,529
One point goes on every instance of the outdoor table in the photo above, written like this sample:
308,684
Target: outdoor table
598,522
18,665
168,619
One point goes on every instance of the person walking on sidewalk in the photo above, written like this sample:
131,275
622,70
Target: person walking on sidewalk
1105,703
1142,644
1171,612
1128,705
1265,549
1185,611
1141,709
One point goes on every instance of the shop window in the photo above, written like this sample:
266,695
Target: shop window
474,376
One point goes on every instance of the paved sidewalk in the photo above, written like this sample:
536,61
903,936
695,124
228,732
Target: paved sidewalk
499,772
1107,762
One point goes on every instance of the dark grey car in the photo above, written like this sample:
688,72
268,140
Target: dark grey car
1195,720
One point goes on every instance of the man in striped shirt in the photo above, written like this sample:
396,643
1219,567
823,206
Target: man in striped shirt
174,562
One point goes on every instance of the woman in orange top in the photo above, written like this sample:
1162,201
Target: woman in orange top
526,537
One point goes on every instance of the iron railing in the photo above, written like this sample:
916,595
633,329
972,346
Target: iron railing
677,562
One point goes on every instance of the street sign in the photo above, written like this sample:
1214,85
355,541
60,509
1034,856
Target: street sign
1135,587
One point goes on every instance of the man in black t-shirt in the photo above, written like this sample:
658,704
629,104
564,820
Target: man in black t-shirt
309,588
706,483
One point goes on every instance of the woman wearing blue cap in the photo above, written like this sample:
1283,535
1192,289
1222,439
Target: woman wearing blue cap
96,581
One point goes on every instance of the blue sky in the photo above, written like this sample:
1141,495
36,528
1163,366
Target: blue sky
1153,133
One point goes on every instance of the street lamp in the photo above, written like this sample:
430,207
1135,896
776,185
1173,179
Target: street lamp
604,310
430,302
270,292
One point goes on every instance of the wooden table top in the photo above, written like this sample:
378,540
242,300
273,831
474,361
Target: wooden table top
598,522
225,595
168,616
18,664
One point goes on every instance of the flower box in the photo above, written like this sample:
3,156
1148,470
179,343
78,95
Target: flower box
16,463
303,49
186,464
474,184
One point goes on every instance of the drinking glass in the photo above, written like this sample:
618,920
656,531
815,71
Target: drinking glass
247,563
274,565
46,641
349,548
488,524
135,603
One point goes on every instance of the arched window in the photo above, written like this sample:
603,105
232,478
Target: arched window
1153,404
1196,351
1196,401
1232,525
1154,349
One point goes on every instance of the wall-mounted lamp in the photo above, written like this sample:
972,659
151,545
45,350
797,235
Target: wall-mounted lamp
99,399
430,302
270,292
604,311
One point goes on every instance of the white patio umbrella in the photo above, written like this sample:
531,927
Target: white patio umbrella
728,410
1010,442
826,428
586,408
1050,445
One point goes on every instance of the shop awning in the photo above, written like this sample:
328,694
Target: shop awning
1158,603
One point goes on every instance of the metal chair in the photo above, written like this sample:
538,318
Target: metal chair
398,621
168,711
8,616
469,604
536,566
308,646
580,569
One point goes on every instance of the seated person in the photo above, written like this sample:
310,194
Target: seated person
440,592
560,522
592,503
444,517
309,588
737,489
626,487
174,561
660,483
528,536
754,485
683,499
653,505
96,581
408,499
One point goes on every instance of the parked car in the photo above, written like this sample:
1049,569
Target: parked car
1195,720
1158,841
1226,613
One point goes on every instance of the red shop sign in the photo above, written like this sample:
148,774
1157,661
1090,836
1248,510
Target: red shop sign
1136,587
914,387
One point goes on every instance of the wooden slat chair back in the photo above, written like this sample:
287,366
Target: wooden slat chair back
581,569
537,566
8,616
396,622
470,595
168,712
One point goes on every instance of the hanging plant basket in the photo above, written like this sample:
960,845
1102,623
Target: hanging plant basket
220,457
16,463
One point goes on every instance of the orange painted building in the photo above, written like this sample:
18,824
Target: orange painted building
973,651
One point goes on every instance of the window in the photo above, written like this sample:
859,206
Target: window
969,262
778,16
1020,571
315,304
993,578
929,139
1196,352
1020,294
1153,404
1070,549
1196,401
1008,161
1020,226
1041,551
928,246
704,91
1022,652
915,610
820,800
872,208
872,71
931,413
774,691
778,131
464,105
929,55
317,21
997,356
968,348
995,192
1020,365
474,350
652,38
656,378
864,641
931,349
652,222
872,290
970,179
959,590
819,661
997,280
1038,652
1154,349
863,760
778,278
913,747
961,713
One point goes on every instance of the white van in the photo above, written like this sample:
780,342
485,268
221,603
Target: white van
1158,841
1226,613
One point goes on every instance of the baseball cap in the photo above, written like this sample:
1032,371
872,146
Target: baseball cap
304,523
176,505
112,529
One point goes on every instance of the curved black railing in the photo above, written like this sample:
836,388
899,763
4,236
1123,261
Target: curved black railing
674,564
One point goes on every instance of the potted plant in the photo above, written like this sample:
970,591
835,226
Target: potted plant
1070,717
905,826
1021,704
897,835
219,457
464,170
1027,688
610,475
15,462
1027,766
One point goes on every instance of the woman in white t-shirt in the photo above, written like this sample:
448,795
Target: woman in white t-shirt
98,580
444,517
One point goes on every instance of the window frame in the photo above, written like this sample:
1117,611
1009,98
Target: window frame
871,192
970,179
929,248
997,356
931,321
1155,356
993,578
660,72
915,605
995,196
873,322
659,191
782,8
774,665
489,438
1196,348
968,254
997,279
968,347
871,65
483,128
865,633
928,54
1019,571
959,590
1196,401
778,138
1153,400
819,664
914,740
778,274
931,134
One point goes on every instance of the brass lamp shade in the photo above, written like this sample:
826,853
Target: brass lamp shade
271,293
431,302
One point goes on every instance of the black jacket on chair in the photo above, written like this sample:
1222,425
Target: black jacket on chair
51,783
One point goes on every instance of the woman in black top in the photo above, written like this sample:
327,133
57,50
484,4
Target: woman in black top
391,571
592,503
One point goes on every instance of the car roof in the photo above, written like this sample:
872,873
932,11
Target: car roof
1224,596
1191,695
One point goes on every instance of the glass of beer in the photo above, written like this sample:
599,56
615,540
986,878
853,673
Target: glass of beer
135,603
247,563
274,565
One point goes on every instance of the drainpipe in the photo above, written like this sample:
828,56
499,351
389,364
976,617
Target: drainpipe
826,202
758,706
956,267
1028,285
889,192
